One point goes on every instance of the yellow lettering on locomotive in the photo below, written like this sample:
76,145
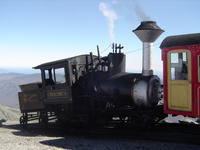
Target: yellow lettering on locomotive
57,94
29,97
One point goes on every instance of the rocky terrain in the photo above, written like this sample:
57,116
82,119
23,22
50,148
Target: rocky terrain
13,137
8,113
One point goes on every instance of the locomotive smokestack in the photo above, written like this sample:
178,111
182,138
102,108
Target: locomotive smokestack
147,32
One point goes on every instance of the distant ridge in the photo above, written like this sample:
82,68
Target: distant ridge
18,70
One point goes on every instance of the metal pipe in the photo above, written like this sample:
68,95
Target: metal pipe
98,54
91,58
87,63
146,59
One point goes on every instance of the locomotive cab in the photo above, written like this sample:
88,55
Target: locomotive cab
54,93
59,76
181,62
56,82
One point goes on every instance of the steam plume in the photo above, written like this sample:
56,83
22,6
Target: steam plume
111,16
139,12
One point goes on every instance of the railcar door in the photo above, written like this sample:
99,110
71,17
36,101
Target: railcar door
179,80
197,85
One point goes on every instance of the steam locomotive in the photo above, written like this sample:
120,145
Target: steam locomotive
97,90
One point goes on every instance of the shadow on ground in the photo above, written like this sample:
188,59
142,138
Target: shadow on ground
183,137
79,143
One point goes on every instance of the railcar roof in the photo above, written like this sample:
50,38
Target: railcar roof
181,40
46,65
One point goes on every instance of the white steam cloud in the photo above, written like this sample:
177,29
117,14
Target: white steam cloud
131,6
111,16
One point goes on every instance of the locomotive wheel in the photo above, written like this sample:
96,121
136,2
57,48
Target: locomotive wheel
23,121
43,119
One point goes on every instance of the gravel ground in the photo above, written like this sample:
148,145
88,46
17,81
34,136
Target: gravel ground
12,138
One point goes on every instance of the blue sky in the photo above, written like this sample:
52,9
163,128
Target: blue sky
37,31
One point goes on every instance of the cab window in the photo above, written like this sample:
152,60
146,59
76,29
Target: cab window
47,74
59,75
49,80
179,66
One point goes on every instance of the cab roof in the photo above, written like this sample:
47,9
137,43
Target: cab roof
57,62
181,40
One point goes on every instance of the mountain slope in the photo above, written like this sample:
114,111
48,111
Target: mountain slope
9,113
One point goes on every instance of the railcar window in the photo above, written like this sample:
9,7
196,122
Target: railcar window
179,66
59,75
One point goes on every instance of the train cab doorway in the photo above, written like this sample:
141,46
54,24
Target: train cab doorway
179,80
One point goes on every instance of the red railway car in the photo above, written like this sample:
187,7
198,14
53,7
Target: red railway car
181,74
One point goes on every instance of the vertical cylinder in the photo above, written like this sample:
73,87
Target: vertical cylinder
146,59
147,32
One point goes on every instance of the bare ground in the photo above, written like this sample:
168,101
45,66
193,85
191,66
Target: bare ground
13,137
